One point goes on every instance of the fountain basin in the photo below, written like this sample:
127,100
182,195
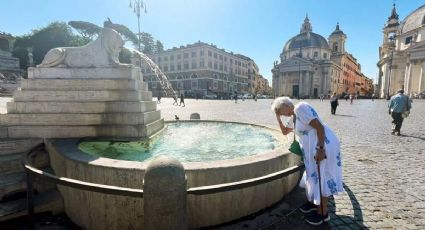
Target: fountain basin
99,211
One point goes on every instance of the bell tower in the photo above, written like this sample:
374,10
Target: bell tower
337,41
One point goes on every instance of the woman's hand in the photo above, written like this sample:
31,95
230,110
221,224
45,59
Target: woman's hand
320,155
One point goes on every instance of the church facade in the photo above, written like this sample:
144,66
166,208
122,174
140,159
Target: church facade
311,66
402,55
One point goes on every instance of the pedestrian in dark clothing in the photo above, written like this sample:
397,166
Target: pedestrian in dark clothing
159,98
182,100
175,100
334,103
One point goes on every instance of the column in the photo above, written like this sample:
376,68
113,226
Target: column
422,78
407,77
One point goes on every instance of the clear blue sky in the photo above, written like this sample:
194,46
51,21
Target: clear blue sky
256,28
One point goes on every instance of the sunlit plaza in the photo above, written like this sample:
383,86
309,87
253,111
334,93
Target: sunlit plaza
120,121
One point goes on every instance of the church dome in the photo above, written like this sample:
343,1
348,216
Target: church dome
415,20
306,40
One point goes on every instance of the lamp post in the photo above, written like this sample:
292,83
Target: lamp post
138,6
392,47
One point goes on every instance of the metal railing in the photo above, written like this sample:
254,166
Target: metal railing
32,173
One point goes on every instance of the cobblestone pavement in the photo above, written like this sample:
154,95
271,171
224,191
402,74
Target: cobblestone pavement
384,176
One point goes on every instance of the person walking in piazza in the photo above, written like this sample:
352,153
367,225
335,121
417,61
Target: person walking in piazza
175,100
399,107
321,149
182,100
334,103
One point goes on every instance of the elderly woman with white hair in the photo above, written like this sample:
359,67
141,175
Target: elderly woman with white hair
320,148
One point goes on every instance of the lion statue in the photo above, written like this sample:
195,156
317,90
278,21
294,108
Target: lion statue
102,52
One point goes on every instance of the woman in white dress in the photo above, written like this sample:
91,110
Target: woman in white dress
319,146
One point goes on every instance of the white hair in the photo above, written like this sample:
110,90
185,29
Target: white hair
281,101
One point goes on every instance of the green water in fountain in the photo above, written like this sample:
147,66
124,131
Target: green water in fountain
191,142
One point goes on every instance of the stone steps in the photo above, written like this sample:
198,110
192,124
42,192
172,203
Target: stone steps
124,72
83,84
57,131
49,201
76,96
67,119
81,107
11,146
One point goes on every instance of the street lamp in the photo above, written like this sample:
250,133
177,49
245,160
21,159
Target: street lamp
392,47
138,6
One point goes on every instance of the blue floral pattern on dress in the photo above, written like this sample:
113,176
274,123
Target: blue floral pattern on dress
315,178
327,140
338,159
313,112
332,186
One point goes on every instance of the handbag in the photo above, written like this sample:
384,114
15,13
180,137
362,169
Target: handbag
295,146
406,112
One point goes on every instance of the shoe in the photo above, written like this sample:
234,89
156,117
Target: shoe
398,134
317,219
392,132
308,207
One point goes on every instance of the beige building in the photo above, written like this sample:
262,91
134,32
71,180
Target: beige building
311,66
202,69
402,55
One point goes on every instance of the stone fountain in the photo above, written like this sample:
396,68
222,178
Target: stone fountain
79,92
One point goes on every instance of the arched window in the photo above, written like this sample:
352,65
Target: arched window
180,77
335,46
194,76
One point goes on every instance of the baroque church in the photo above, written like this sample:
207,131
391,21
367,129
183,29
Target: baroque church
402,55
311,66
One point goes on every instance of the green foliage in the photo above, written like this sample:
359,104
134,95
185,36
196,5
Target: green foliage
159,47
126,32
148,43
125,56
56,34
86,29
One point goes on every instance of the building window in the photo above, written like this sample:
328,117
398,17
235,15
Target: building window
185,55
179,66
210,64
172,67
165,58
221,67
316,54
193,54
194,76
201,64
215,65
231,61
220,57
325,56
209,53
172,58
225,68
166,68
408,40
202,53
194,84
193,65
186,66
159,59
215,55
225,58
179,56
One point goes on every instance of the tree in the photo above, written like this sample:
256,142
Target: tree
56,34
86,29
148,43
159,47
